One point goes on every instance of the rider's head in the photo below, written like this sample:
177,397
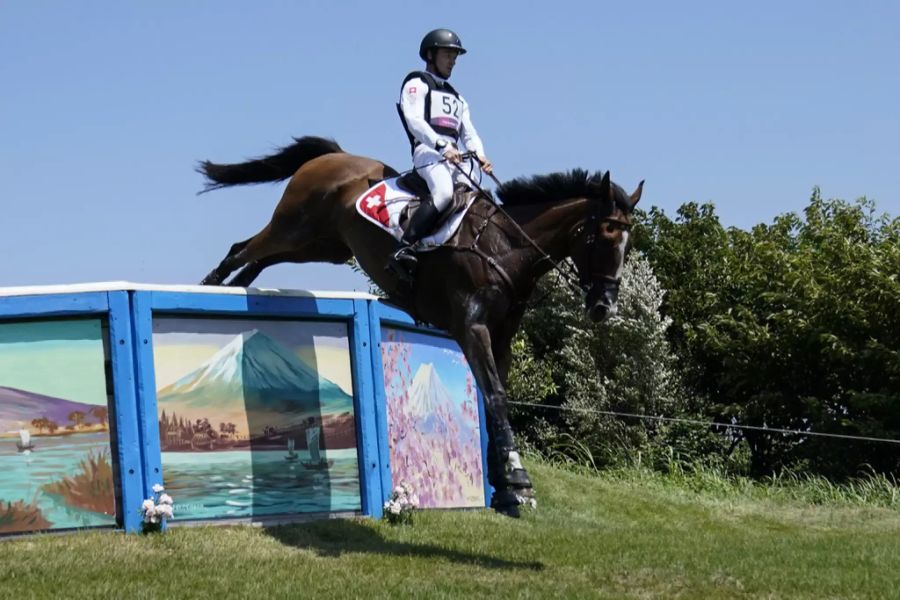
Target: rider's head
439,49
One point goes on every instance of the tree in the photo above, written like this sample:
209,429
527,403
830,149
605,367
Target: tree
792,325
588,371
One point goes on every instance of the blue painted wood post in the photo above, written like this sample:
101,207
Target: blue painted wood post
363,399
380,399
142,319
128,442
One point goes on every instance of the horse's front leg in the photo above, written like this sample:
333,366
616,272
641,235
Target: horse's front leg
505,470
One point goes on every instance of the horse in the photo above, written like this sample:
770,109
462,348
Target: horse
475,287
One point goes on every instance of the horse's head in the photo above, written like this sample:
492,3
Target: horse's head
600,244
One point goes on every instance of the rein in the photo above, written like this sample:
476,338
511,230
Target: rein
569,278
576,283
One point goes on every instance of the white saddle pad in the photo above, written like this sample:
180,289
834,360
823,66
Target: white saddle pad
382,204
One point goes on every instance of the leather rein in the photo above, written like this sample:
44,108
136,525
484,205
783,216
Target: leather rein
579,283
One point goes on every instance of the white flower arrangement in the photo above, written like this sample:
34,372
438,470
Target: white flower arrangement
155,511
400,506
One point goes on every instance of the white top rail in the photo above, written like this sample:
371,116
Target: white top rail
114,286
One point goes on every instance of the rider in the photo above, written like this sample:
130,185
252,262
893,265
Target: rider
435,117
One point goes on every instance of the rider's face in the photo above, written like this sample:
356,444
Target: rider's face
445,60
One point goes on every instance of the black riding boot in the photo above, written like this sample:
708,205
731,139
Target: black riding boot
404,260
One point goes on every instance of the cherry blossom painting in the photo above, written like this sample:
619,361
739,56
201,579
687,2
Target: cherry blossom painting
434,431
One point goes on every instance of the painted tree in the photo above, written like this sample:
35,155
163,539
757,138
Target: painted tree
101,413
77,417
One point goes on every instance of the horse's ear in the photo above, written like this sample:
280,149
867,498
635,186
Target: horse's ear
604,186
636,195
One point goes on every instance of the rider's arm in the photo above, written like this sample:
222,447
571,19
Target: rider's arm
467,132
412,103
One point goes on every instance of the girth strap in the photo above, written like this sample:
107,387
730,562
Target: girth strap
490,260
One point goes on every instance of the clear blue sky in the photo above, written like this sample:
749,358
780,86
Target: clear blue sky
106,107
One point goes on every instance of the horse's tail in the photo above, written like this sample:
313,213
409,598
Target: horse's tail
280,165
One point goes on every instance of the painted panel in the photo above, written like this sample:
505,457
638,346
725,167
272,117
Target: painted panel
256,417
55,456
434,433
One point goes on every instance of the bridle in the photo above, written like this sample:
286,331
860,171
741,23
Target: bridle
588,276
583,281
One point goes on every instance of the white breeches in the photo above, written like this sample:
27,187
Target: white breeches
439,176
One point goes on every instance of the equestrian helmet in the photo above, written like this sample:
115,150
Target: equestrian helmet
439,38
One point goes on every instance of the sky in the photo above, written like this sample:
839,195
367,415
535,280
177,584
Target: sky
106,107
72,350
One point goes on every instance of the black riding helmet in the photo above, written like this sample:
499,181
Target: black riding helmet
439,38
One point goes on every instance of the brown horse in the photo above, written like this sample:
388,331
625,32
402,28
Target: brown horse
475,287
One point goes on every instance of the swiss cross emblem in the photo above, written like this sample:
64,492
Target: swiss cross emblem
373,205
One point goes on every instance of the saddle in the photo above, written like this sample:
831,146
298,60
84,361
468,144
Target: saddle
415,184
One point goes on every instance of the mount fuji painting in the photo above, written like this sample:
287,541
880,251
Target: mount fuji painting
256,417
433,423
254,373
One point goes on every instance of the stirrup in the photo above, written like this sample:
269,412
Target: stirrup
405,256
402,264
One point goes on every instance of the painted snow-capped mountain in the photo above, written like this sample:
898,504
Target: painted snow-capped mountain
427,392
21,406
254,372
429,403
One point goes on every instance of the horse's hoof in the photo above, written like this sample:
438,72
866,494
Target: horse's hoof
509,510
506,502
525,494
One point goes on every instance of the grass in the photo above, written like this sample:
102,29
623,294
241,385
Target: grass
616,535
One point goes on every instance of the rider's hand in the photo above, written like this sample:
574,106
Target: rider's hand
486,165
453,155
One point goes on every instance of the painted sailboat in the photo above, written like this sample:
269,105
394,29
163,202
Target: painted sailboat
24,444
316,461
291,455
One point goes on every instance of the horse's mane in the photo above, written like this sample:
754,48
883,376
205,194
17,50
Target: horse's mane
555,187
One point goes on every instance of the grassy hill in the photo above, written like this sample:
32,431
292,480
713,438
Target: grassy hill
609,536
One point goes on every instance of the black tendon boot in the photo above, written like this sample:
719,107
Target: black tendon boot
403,262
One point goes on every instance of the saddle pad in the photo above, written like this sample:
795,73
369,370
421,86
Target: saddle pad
382,204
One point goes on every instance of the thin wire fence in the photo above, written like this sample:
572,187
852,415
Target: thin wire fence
707,423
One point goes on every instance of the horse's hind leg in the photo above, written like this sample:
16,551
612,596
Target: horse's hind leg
227,266
251,271
332,252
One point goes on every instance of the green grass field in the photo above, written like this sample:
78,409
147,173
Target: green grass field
592,536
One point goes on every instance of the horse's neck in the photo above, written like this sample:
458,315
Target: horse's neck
550,226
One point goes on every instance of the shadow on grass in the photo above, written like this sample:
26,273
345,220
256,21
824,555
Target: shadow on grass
335,537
